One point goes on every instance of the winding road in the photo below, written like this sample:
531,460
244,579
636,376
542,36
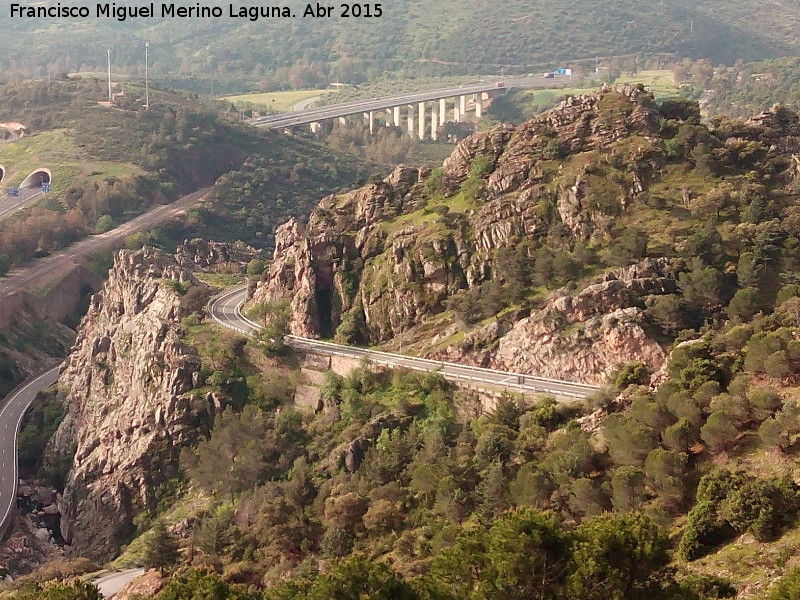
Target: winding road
11,414
226,309
112,583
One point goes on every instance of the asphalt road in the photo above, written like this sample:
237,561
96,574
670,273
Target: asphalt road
359,106
14,406
42,268
304,104
226,310
110,585
9,205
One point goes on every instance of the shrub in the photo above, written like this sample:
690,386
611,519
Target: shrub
787,588
701,524
635,373
255,267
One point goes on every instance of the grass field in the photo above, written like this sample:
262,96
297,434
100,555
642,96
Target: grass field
277,101
661,83
57,151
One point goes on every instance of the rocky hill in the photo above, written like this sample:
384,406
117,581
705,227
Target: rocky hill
125,385
611,230
556,248
388,257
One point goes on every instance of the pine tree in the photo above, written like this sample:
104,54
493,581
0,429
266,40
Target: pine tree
161,550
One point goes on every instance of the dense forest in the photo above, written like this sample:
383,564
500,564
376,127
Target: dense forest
748,88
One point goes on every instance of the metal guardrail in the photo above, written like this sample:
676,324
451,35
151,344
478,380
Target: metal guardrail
522,382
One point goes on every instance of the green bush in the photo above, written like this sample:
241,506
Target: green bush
635,373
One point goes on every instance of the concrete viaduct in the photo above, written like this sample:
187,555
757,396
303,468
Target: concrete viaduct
421,112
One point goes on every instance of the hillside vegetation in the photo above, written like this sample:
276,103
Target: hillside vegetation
401,486
110,163
752,87
412,38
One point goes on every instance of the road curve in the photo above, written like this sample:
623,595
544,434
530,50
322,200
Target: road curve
359,106
112,583
225,309
14,407
304,104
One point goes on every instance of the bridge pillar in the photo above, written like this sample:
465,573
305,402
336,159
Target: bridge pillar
315,127
421,120
434,123
456,114
396,116
411,120
462,106
342,121
442,110
478,106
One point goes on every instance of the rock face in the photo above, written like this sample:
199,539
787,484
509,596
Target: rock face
313,264
383,260
215,256
126,385
583,337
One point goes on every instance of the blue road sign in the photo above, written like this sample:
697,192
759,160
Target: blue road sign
46,187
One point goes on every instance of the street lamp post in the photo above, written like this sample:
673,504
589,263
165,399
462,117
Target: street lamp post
146,77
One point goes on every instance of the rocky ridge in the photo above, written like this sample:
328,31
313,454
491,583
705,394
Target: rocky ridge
125,385
382,262
582,337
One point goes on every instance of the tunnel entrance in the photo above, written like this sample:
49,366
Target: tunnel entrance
324,310
2,173
36,179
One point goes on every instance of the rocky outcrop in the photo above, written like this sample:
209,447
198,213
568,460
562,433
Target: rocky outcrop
350,455
583,337
198,254
383,260
126,385
312,263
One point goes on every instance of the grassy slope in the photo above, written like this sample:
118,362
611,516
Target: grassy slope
278,101
58,151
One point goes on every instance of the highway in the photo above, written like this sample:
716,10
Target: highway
44,268
359,106
225,309
9,204
14,407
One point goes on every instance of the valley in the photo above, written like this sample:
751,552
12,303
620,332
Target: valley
467,301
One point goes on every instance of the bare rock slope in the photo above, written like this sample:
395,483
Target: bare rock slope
125,385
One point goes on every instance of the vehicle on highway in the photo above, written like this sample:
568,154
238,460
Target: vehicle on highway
549,75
